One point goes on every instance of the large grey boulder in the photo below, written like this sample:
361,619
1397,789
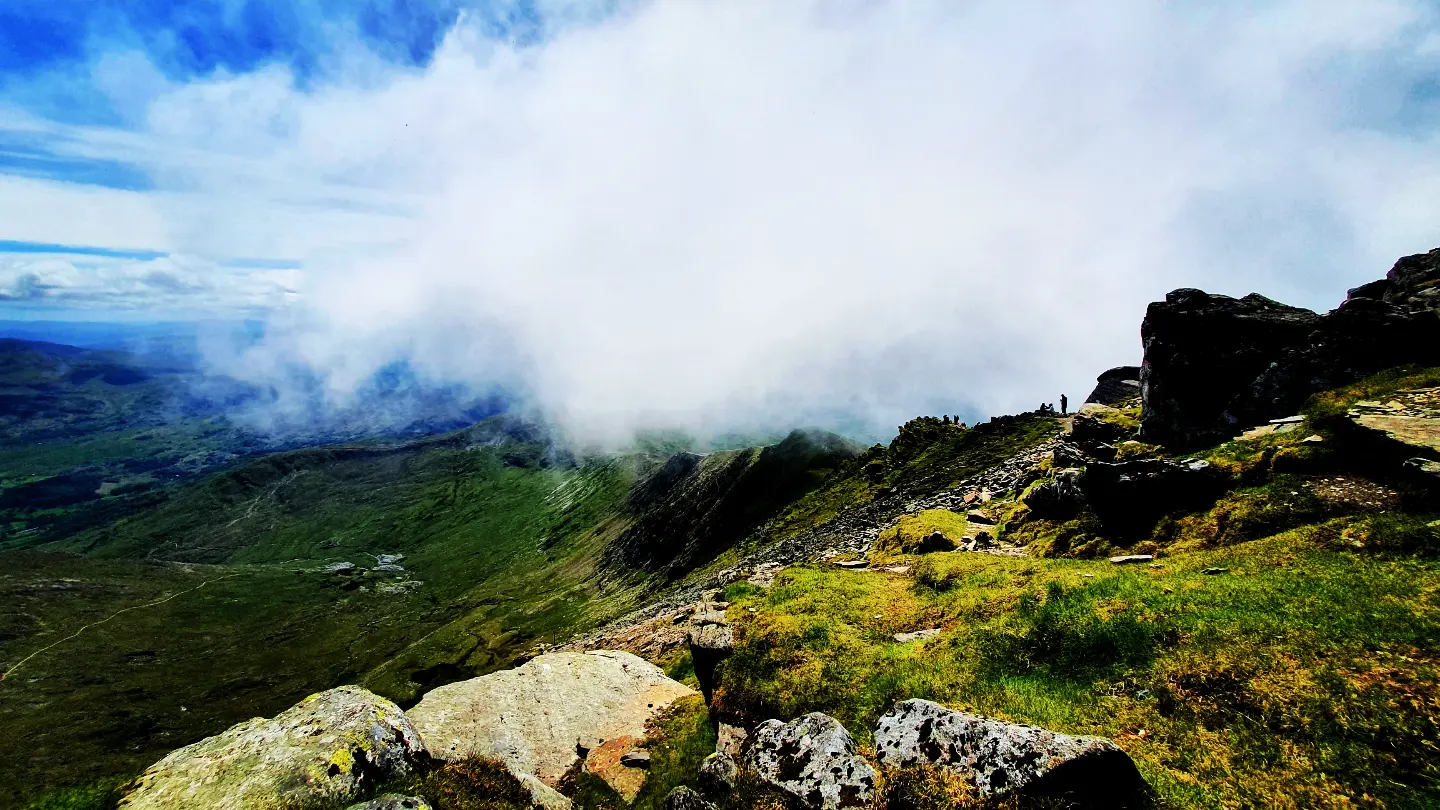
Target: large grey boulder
1002,757
327,748
540,718
812,759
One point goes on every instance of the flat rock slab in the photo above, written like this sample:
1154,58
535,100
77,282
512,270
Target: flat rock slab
917,635
324,749
1132,559
1001,757
533,717
811,759
1412,417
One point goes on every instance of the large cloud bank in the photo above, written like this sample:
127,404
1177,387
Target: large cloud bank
740,214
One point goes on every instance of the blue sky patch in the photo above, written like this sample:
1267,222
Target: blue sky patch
15,246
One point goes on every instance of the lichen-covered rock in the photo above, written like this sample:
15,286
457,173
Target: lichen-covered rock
325,749
683,798
1000,757
393,801
717,775
812,759
538,717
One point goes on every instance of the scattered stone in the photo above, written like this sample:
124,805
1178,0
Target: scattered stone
717,775
852,565
917,635
764,574
1288,420
976,516
608,761
1130,559
393,801
730,740
1003,757
1314,438
811,759
324,749
339,568
683,798
388,559
1213,571
532,717
896,569
390,568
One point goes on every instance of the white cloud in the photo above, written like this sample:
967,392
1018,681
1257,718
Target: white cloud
717,213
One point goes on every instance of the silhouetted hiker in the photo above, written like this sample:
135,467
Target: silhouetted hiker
1064,403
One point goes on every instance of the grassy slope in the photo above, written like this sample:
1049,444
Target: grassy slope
1302,675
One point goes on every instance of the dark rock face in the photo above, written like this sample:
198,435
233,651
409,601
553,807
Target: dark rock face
1130,496
811,759
1214,363
1201,351
1118,385
1004,757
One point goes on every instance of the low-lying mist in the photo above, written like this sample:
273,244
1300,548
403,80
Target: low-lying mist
746,216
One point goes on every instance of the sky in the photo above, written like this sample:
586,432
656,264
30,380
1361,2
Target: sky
707,215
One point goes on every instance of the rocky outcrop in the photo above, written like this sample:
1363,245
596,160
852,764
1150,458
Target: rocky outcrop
1057,499
1130,496
1116,386
1004,757
541,718
1214,363
710,644
1201,352
327,748
812,760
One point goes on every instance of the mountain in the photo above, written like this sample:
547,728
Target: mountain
1226,568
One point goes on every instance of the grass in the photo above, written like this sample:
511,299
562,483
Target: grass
1303,676
481,539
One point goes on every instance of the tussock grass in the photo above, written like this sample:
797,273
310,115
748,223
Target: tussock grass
1301,676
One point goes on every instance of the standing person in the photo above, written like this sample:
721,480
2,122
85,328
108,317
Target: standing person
1064,403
